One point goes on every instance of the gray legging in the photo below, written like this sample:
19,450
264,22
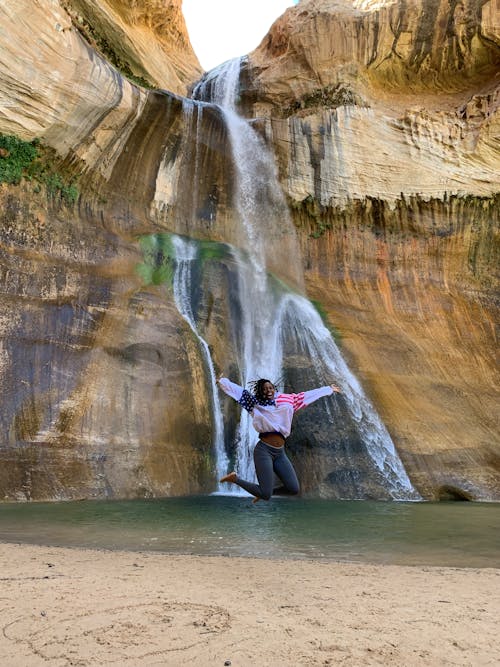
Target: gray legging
269,460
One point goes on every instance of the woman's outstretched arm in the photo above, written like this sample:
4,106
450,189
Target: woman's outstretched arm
304,398
230,388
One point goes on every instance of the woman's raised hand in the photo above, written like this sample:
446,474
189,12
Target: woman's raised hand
335,389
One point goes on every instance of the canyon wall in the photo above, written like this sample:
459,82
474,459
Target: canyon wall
147,40
385,129
102,381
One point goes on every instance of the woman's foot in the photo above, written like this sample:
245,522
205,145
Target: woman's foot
231,477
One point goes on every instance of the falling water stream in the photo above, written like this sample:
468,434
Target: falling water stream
261,209
185,255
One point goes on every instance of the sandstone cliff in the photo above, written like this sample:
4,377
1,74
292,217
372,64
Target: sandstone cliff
384,123
146,39
78,332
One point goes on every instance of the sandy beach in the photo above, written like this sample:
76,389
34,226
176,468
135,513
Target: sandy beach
62,607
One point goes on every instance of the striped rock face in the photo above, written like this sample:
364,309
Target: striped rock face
385,123
383,120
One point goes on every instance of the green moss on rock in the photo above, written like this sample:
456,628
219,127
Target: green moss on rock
33,161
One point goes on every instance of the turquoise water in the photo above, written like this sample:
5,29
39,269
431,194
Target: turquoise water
456,534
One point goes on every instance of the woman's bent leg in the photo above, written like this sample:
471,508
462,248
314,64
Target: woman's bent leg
284,469
263,461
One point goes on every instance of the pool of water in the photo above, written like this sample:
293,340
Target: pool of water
456,534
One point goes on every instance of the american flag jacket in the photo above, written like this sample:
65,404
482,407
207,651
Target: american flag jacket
275,415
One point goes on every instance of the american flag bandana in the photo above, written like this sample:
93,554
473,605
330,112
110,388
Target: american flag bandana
249,401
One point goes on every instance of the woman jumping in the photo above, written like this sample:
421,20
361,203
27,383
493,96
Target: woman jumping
272,415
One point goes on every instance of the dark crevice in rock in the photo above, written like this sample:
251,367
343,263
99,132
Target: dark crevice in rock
453,493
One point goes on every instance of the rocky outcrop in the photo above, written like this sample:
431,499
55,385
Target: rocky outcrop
367,117
146,40
413,294
429,47
100,374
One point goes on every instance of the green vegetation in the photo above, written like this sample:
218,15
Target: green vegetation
16,156
34,162
279,286
321,228
56,186
212,250
159,257
104,47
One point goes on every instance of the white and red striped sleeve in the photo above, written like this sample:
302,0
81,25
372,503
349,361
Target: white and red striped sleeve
304,398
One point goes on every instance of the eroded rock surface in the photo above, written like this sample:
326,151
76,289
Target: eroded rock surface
146,39
384,123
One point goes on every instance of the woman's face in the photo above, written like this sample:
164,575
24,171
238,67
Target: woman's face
268,390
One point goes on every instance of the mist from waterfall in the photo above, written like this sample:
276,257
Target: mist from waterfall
270,316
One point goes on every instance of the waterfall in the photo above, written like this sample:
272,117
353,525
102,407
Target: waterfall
185,257
271,316
220,85
317,343
261,208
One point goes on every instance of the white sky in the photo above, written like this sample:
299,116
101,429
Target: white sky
224,29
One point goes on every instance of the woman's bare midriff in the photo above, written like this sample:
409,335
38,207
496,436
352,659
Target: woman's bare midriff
274,439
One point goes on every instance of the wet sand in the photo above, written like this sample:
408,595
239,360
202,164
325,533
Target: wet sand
62,607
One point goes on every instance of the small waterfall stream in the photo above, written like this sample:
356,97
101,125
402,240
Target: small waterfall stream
185,256
270,316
